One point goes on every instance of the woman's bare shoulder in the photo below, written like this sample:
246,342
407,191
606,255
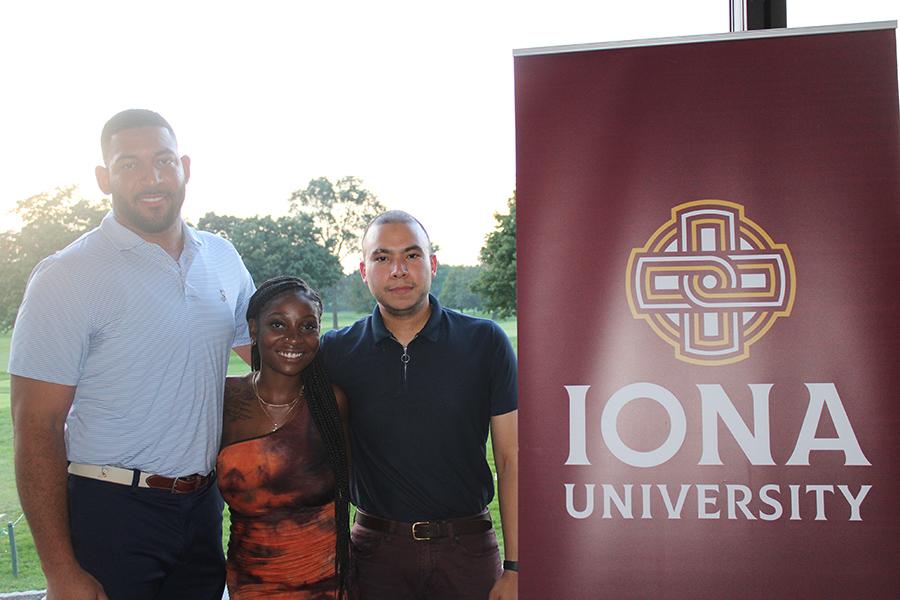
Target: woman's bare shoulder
237,384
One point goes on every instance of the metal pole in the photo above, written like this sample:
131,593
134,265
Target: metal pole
12,548
737,15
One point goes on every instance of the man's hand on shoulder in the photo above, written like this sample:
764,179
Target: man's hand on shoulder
76,585
506,588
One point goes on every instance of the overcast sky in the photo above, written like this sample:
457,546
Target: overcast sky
416,98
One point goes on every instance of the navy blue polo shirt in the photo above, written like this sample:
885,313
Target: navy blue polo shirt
419,424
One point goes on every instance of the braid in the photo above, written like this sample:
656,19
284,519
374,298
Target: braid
324,410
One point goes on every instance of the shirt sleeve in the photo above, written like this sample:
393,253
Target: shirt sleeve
241,330
504,375
52,332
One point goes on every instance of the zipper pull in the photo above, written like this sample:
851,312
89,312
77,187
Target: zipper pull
404,358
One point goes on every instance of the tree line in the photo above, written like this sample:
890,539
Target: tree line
323,227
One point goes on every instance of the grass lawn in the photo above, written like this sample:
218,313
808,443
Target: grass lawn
30,575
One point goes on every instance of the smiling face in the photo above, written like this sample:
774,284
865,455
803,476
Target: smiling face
146,179
287,333
398,267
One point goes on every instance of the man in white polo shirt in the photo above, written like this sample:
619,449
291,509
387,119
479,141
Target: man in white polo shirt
117,366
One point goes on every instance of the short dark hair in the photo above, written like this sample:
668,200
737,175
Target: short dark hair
395,216
129,119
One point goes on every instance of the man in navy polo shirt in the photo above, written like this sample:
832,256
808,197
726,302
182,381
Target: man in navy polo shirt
426,386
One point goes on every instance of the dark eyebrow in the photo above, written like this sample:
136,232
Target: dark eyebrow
159,154
281,314
403,251
124,157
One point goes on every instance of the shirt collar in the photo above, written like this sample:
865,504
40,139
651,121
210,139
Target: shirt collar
191,236
430,330
125,239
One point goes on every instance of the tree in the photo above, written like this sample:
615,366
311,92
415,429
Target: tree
457,289
497,282
340,212
272,247
51,221
437,282
354,294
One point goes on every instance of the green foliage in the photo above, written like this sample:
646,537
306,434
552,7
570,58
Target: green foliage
51,221
340,210
272,247
354,295
457,291
497,283
437,283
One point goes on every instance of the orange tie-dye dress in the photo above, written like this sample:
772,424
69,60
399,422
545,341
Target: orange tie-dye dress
280,490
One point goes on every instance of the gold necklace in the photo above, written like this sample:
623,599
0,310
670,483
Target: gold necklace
268,407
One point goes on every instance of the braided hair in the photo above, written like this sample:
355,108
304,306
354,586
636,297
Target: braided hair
324,410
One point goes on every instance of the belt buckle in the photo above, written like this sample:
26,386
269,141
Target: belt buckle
417,537
187,480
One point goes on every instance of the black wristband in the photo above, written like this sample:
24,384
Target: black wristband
511,565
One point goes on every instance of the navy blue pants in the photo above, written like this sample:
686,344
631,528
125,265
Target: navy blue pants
147,544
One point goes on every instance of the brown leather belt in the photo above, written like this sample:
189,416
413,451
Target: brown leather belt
427,530
176,485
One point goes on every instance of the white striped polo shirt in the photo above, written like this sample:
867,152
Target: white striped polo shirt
144,339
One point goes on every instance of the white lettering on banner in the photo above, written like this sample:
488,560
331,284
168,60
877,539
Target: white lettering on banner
624,506
715,405
765,498
577,441
732,501
821,396
704,501
795,502
588,504
674,510
609,421
737,501
854,501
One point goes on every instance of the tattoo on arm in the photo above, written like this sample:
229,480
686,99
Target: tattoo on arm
238,405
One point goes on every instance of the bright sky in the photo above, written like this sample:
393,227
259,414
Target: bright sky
416,98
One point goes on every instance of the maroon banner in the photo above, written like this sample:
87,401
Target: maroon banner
709,318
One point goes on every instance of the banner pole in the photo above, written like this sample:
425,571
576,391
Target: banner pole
737,15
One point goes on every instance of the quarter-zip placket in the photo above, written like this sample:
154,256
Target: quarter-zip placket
404,360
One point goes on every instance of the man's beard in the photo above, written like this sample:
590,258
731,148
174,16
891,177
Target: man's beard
129,211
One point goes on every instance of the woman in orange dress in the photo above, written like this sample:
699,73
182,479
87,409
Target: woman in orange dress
282,467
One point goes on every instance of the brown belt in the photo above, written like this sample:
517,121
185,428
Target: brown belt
427,530
176,485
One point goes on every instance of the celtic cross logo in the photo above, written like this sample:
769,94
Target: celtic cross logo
710,282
